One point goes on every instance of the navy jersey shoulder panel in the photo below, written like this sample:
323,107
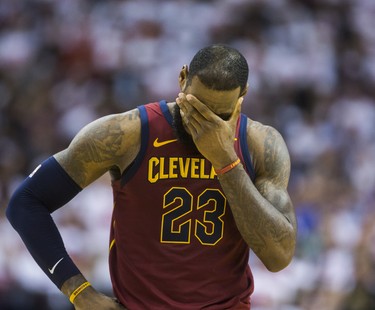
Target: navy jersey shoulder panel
245,147
165,110
130,171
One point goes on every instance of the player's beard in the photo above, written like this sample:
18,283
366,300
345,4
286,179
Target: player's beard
179,129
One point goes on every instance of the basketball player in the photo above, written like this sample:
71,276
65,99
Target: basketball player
196,184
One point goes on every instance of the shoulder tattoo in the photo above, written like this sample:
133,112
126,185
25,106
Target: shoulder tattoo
97,147
276,157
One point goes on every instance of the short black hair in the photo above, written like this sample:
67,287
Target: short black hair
219,67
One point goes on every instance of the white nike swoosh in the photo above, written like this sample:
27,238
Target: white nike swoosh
35,170
52,270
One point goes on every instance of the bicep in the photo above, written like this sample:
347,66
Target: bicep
273,173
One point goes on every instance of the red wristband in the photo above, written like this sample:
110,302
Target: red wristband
228,168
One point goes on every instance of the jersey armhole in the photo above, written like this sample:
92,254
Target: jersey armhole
133,167
245,148
165,110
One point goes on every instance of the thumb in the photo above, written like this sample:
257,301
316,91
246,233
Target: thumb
237,111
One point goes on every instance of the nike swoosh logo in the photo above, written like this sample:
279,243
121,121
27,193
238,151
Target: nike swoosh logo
35,170
52,270
158,143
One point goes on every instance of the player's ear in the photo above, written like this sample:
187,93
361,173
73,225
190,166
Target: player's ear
182,78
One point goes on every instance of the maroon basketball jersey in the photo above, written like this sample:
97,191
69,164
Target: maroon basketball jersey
174,242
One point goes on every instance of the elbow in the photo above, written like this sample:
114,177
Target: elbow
17,212
280,252
279,259
277,264
13,212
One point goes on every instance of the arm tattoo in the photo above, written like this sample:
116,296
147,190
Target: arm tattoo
103,143
269,150
98,146
262,210
276,163
253,227
256,226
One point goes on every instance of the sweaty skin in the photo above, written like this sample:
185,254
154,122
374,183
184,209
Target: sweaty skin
262,210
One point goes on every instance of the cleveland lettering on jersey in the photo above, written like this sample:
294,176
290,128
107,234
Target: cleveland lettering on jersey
162,168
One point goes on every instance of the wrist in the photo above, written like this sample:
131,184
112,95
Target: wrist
223,161
86,296
72,284
228,167
78,291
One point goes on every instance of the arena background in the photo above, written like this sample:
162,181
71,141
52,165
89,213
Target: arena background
64,63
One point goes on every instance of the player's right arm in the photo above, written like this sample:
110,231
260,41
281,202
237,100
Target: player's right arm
107,144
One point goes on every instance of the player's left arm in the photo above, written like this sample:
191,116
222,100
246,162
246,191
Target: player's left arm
263,210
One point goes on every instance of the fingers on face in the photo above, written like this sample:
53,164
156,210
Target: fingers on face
193,109
201,108
189,110
190,122
193,106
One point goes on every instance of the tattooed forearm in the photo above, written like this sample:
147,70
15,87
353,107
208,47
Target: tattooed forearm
260,215
258,226
249,226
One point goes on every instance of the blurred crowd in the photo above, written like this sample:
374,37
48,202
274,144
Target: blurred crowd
64,63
